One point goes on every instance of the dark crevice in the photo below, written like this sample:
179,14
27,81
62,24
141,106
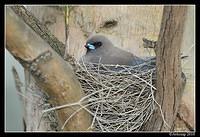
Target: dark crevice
109,24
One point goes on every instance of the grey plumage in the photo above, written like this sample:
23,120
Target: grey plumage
106,53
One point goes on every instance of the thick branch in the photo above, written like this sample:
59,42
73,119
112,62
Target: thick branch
42,31
169,85
50,71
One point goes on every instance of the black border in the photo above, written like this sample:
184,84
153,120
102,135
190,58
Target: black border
2,68
86,2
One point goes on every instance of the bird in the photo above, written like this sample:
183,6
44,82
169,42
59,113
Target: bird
101,50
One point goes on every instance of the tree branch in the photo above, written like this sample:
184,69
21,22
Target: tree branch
42,31
50,71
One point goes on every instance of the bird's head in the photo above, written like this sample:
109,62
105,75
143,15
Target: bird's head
97,41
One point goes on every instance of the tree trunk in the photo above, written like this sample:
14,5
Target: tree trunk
169,84
50,71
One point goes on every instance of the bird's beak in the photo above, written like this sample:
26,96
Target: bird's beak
90,46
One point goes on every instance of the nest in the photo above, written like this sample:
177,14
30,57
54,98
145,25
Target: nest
119,97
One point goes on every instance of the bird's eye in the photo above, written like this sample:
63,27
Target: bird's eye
98,44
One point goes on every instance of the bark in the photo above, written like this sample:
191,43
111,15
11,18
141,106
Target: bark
50,71
169,84
39,28
42,31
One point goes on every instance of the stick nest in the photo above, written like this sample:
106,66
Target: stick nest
119,97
